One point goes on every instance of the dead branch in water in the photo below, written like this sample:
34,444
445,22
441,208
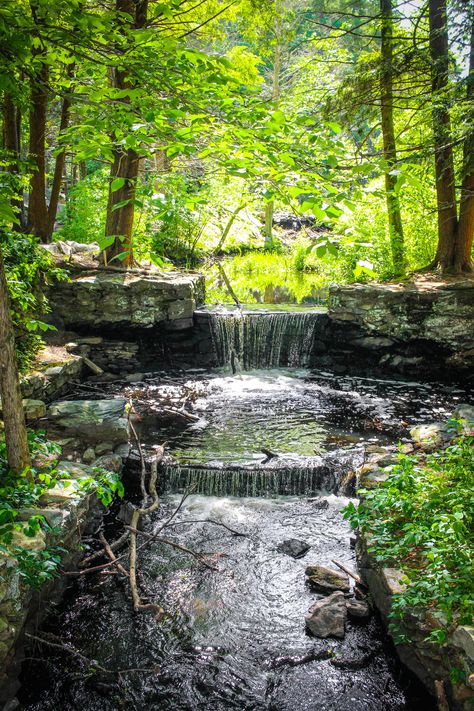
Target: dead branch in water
349,573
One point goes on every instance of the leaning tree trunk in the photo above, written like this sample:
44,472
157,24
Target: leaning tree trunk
444,164
463,257
60,161
126,163
11,143
18,454
37,208
389,145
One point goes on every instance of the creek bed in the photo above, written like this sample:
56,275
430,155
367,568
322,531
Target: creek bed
232,639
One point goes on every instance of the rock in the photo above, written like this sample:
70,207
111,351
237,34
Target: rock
429,437
104,448
64,492
74,470
111,462
34,409
92,420
293,547
325,580
89,455
466,414
326,618
358,609
123,450
463,637
30,543
134,378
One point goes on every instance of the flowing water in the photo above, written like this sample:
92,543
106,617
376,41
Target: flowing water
246,339
234,638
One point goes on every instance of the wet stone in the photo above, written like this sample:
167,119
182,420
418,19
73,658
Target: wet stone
326,618
358,610
325,580
294,547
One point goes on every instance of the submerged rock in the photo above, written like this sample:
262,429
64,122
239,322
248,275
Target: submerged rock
326,618
293,547
325,580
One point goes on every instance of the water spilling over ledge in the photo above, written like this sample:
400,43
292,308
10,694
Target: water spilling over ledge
261,338
298,476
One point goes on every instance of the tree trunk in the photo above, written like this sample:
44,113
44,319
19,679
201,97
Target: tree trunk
37,208
18,454
270,206
120,205
389,145
60,162
119,223
463,257
11,143
444,163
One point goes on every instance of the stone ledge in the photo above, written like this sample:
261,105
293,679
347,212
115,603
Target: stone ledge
132,299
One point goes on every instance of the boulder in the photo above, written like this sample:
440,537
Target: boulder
429,437
92,420
358,609
325,580
111,462
34,409
293,547
326,618
88,455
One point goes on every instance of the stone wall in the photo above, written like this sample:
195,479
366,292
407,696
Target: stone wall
423,327
136,299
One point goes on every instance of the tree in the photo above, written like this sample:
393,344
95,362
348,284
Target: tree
453,253
13,415
388,133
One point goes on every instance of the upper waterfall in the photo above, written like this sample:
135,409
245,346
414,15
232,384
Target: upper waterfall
248,339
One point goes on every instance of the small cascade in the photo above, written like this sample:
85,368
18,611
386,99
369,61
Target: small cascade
249,340
308,476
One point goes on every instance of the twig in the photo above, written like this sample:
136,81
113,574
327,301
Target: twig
349,573
152,537
100,554
111,555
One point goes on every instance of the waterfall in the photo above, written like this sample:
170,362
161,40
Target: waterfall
263,339
307,476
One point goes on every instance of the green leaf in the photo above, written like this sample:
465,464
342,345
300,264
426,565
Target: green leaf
116,184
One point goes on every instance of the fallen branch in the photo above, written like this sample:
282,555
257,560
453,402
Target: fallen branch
208,520
349,573
111,555
178,546
316,656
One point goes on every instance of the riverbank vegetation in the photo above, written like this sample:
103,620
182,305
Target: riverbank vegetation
421,520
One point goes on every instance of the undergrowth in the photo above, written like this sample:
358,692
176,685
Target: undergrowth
25,491
421,520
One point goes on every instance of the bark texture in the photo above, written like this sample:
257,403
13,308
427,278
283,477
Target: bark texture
463,258
389,144
37,207
444,163
13,415
126,162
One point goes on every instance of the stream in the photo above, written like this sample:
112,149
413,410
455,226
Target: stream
234,637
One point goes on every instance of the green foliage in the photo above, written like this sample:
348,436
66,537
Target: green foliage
26,490
83,217
421,520
29,269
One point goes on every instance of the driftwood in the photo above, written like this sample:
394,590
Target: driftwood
315,656
349,573
268,453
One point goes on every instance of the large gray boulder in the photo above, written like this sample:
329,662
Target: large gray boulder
92,420
326,618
